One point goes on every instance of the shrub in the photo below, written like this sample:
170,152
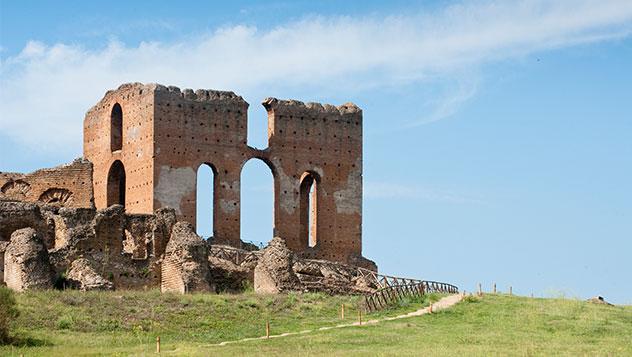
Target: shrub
471,299
65,322
8,311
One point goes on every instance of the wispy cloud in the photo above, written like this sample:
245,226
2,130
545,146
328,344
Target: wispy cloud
450,102
400,191
47,87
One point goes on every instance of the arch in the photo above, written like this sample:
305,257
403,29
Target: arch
116,128
257,205
116,184
56,196
205,200
308,208
16,189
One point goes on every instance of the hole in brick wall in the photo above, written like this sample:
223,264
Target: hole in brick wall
116,128
205,199
308,208
256,196
116,184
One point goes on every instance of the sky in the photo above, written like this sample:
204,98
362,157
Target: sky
497,134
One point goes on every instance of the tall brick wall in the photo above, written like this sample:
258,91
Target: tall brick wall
136,155
67,185
168,133
193,129
326,142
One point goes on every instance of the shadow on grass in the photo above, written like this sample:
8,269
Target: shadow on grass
26,341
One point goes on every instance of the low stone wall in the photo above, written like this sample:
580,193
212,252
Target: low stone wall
88,249
281,270
68,185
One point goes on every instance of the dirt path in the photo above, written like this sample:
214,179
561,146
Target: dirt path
444,303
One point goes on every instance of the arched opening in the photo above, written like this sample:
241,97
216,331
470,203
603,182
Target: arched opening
257,203
116,128
205,201
116,184
309,208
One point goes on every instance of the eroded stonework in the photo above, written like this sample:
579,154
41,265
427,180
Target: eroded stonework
146,143
109,249
68,185
106,221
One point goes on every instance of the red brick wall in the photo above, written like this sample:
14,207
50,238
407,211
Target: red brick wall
137,103
67,185
169,133
326,141
196,128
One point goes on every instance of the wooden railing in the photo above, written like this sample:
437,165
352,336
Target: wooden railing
391,289
388,289
392,294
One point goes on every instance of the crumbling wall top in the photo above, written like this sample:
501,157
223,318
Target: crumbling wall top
298,107
201,95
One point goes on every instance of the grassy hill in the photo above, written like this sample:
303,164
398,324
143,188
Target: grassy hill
124,323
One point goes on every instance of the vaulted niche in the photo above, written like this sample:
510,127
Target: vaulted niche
116,184
116,128
309,208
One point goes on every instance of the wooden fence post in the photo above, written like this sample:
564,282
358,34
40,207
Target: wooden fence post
494,288
268,329
480,289
510,291
158,344
342,312
360,317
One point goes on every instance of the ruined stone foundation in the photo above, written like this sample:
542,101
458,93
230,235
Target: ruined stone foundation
90,249
123,216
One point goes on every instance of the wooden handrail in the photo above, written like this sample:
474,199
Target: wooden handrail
388,288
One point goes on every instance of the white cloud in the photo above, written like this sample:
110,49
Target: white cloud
449,102
47,88
390,190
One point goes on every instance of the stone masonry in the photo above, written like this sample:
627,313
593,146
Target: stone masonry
146,143
67,185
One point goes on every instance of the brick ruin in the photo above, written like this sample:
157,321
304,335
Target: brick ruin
112,215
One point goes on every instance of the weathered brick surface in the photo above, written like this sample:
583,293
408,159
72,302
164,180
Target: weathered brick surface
137,102
67,185
168,133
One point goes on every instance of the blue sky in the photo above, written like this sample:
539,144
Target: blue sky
498,135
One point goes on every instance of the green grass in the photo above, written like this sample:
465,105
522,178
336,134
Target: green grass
73,322
124,323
